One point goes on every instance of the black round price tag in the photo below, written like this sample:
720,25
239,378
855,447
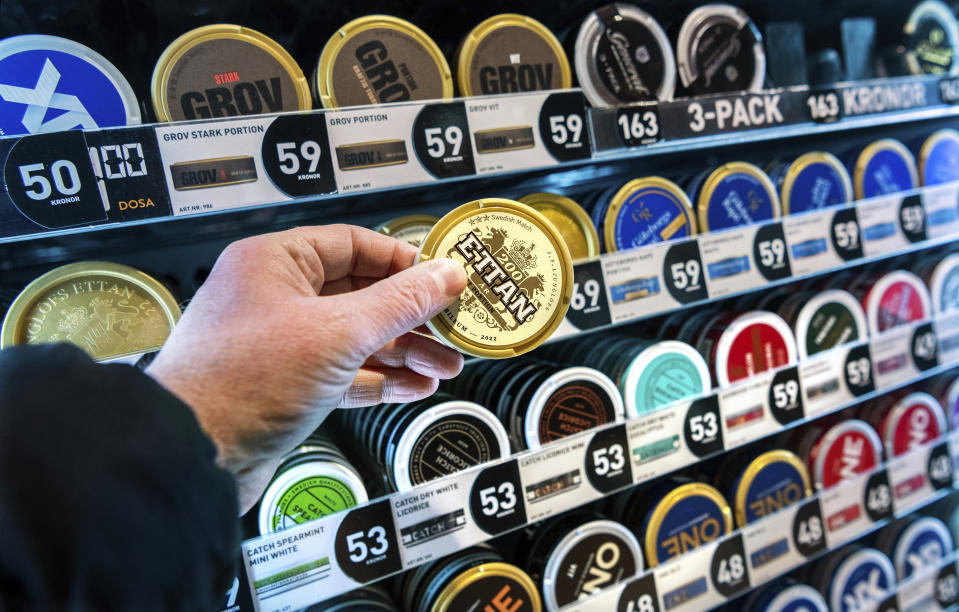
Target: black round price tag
441,139
588,307
728,569
947,587
683,272
940,468
809,530
366,545
607,460
890,604
785,396
925,348
703,429
769,252
878,497
296,154
844,234
824,106
912,218
857,371
562,126
49,179
638,124
496,499
639,596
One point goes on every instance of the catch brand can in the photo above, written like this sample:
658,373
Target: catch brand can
836,453
720,49
737,193
892,299
823,320
738,346
812,181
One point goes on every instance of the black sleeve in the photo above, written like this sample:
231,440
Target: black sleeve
109,496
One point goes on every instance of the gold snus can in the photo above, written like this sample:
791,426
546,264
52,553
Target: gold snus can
411,228
571,221
520,277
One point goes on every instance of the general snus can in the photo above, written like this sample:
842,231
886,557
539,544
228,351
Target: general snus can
884,167
740,345
945,388
734,194
892,299
226,70
941,275
760,485
915,544
854,578
938,158
837,452
570,219
720,49
812,181
931,35
622,55
412,228
643,211
786,595
822,320
904,421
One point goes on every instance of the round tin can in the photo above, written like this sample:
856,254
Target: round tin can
47,73
310,483
838,452
622,55
947,510
931,36
939,157
570,219
905,422
645,211
786,595
510,53
224,70
442,437
579,554
659,374
764,484
941,275
883,167
738,346
824,320
109,310
720,49
915,544
520,277
854,578
411,228
734,194
364,599
378,59
892,299
945,388
812,181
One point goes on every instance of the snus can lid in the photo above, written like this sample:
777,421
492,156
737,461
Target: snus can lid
883,167
720,49
570,219
365,44
252,74
932,35
939,157
485,62
645,211
864,576
622,55
602,545
568,402
771,481
41,73
411,228
753,342
519,277
913,420
944,285
791,598
896,299
849,447
308,491
921,544
663,373
481,585
692,505
734,194
827,320
418,459
815,180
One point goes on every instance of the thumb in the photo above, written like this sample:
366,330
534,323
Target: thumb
402,302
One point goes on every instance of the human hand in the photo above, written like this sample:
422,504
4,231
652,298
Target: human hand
291,325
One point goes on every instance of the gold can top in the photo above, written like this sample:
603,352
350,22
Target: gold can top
379,59
753,470
651,201
223,70
411,228
452,598
669,502
895,179
520,277
804,161
107,309
511,53
570,219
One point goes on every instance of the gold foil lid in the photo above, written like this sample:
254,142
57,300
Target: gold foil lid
466,591
412,228
520,277
511,53
379,59
225,70
571,221
107,309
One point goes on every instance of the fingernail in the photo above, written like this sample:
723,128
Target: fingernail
449,275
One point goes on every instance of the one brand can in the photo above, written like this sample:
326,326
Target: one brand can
734,194
854,578
378,59
758,486
931,35
519,277
915,544
225,70
510,53
939,158
812,181
941,275
720,49
645,211
738,346
905,422
838,452
892,299
823,320
622,55
412,228
570,219
786,595
885,166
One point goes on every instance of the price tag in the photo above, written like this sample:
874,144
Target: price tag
949,90
877,496
809,529
942,214
639,595
890,604
909,479
887,95
440,139
924,347
892,355
433,519
589,305
607,460
685,583
880,221
746,411
858,371
730,113
656,443
947,586
552,478
366,545
129,172
527,130
49,180
296,154
947,338
940,468
683,271
771,551
730,259
829,381
703,427
496,499
728,570
785,396
824,105
822,240
638,124
848,510
912,218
